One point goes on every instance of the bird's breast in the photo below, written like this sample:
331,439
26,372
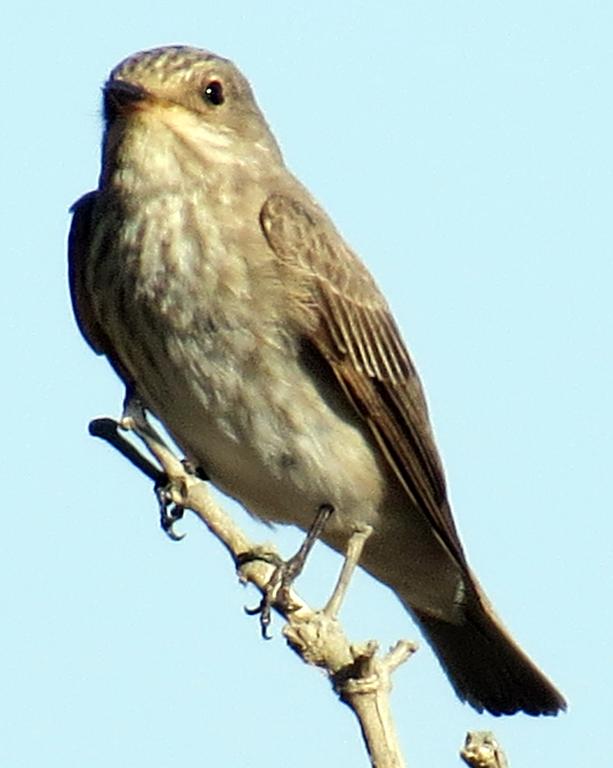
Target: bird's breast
201,319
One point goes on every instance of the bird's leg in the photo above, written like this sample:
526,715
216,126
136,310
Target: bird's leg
108,430
134,418
170,512
286,571
355,546
292,568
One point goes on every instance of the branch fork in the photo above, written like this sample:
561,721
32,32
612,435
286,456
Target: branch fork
360,677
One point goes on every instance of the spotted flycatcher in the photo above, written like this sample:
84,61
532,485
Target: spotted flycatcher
224,297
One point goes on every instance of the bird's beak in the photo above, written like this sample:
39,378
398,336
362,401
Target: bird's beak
121,98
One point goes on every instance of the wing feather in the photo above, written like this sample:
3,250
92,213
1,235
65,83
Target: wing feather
350,324
79,243
80,253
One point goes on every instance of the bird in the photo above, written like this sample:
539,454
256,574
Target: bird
227,301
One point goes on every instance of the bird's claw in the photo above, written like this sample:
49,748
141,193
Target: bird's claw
277,590
170,512
276,595
195,469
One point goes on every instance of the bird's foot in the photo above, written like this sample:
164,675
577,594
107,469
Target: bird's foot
170,511
277,592
135,418
195,469
270,596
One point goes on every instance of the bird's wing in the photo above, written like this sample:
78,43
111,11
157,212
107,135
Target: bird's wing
79,252
352,327
79,240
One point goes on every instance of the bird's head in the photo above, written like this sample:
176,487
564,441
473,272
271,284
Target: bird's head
165,97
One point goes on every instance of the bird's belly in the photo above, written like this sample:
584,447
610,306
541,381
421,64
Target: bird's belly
280,442
283,443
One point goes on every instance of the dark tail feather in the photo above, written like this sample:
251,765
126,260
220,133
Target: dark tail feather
486,667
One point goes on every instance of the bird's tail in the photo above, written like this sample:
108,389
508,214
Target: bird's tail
486,666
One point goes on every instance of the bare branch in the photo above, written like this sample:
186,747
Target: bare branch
481,750
361,679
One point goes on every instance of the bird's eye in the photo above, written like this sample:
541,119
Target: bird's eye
213,93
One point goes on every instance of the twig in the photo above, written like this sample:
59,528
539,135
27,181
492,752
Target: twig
106,429
361,679
481,750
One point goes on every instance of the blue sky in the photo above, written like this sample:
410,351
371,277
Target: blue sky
464,149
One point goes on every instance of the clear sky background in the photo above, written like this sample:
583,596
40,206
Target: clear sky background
464,149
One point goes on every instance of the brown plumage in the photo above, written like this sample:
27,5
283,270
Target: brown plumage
222,293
